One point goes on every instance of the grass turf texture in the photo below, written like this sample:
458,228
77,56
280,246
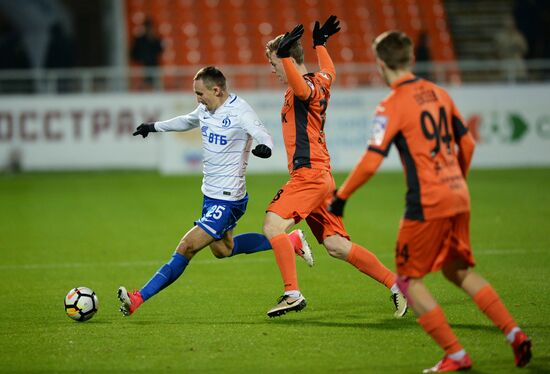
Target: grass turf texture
102,230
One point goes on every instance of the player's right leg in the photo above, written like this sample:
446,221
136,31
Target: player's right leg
362,259
192,242
275,230
433,321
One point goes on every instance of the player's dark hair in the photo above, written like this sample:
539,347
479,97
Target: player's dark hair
395,48
296,51
211,76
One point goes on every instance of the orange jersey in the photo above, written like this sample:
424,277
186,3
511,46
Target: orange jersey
421,119
434,145
303,115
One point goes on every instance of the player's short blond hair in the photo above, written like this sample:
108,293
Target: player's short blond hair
211,76
395,48
296,51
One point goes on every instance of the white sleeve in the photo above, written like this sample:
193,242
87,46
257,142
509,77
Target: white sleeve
181,123
253,126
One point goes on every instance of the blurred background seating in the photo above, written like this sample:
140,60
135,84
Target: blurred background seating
458,41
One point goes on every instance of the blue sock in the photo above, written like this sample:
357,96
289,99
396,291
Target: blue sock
165,276
250,243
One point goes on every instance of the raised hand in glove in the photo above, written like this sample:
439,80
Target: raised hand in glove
288,41
144,129
336,206
322,33
262,151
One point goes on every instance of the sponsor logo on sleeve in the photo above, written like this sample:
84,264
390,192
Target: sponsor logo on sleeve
379,125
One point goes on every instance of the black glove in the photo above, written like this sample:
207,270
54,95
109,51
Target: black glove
262,151
321,34
288,41
336,206
144,129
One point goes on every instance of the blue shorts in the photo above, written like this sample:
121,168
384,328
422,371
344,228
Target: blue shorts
220,216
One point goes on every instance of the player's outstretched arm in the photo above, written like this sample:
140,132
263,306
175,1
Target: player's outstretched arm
295,79
320,37
144,129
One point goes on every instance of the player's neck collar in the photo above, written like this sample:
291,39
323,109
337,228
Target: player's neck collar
404,79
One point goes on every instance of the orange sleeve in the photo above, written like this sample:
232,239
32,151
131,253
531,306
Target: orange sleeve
466,147
325,62
360,174
298,84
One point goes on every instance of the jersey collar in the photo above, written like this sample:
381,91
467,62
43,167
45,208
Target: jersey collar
407,78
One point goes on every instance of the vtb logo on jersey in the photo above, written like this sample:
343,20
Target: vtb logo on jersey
213,137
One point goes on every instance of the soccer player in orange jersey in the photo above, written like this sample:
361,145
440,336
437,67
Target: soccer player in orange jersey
311,185
436,149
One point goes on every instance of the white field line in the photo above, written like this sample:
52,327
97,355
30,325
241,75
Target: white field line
247,259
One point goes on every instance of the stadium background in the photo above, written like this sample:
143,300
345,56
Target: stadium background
83,203
81,94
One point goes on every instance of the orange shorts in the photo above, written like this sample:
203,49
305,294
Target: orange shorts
306,196
425,246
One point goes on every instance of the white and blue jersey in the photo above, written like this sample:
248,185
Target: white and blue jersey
227,136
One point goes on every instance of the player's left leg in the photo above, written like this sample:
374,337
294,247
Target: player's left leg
329,230
457,269
252,242
367,263
489,302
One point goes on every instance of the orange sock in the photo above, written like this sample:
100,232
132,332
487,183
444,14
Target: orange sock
368,263
286,260
436,325
489,302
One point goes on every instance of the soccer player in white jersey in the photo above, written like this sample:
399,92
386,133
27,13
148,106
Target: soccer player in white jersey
228,126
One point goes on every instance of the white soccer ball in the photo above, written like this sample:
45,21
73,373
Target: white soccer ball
81,304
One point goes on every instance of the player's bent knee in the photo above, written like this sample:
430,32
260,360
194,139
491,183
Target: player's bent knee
220,252
219,255
455,275
186,248
336,247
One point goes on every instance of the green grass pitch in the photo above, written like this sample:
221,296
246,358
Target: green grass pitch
105,229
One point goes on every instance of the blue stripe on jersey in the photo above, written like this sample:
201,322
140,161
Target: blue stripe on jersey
209,150
221,187
235,98
224,176
211,163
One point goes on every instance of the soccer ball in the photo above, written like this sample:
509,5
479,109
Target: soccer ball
81,304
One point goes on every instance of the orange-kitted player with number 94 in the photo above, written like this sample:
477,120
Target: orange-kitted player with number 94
436,148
